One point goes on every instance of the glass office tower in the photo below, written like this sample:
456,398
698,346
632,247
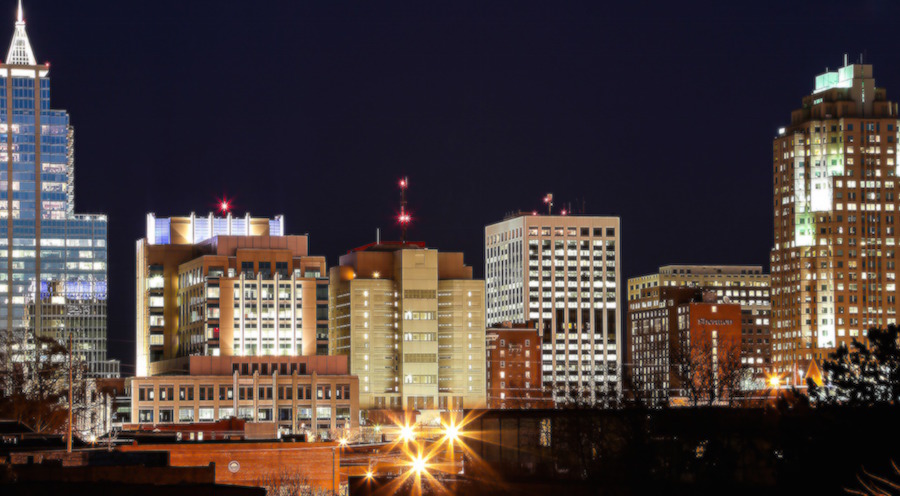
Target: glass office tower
53,272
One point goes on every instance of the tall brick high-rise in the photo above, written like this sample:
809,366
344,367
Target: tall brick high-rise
835,198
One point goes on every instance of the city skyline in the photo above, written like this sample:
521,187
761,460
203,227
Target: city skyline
55,278
528,90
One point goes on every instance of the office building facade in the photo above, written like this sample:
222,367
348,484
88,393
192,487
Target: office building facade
301,395
562,272
54,282
683,344
835,199
747,285
223,286
411,321
514,367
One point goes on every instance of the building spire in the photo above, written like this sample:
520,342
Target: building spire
20,52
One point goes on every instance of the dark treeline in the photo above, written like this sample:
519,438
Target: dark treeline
705,450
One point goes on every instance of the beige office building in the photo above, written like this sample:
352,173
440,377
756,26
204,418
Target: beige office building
223,286
411,321
561,271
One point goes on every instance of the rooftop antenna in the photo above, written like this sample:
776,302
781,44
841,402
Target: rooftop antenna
377,235
404,216
549,201
846,60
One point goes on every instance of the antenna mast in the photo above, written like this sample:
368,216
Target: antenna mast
404,217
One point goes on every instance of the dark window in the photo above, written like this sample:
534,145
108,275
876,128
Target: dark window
281,268
265,268
247,268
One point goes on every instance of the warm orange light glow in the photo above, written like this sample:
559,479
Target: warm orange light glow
451,432
407,433
774,381
418,464
343,442
369,474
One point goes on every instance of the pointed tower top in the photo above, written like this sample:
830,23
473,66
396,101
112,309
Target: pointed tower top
20,52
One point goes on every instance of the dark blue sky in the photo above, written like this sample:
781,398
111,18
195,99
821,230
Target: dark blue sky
662,114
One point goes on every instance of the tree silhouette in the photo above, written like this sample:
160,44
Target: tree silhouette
33,380
865,374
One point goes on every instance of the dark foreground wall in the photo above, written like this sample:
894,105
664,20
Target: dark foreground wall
688,451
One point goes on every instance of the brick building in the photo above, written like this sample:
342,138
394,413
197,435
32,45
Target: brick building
683,334
514,367
310,395
747,285
253,463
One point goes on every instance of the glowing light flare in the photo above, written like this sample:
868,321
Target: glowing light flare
376,275
224,205
403,183
404,218
407,433
418,464
343,442
774,381
451,432
563,212
369,474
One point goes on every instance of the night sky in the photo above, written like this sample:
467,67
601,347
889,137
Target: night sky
662,114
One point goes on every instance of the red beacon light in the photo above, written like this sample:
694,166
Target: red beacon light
563,212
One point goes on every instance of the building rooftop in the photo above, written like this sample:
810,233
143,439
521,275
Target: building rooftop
194,229
390,246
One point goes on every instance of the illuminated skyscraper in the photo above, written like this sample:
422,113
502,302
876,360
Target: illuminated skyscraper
411,319
224,286
561,271
835,198
54,280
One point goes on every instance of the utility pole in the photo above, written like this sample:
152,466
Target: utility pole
69,428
